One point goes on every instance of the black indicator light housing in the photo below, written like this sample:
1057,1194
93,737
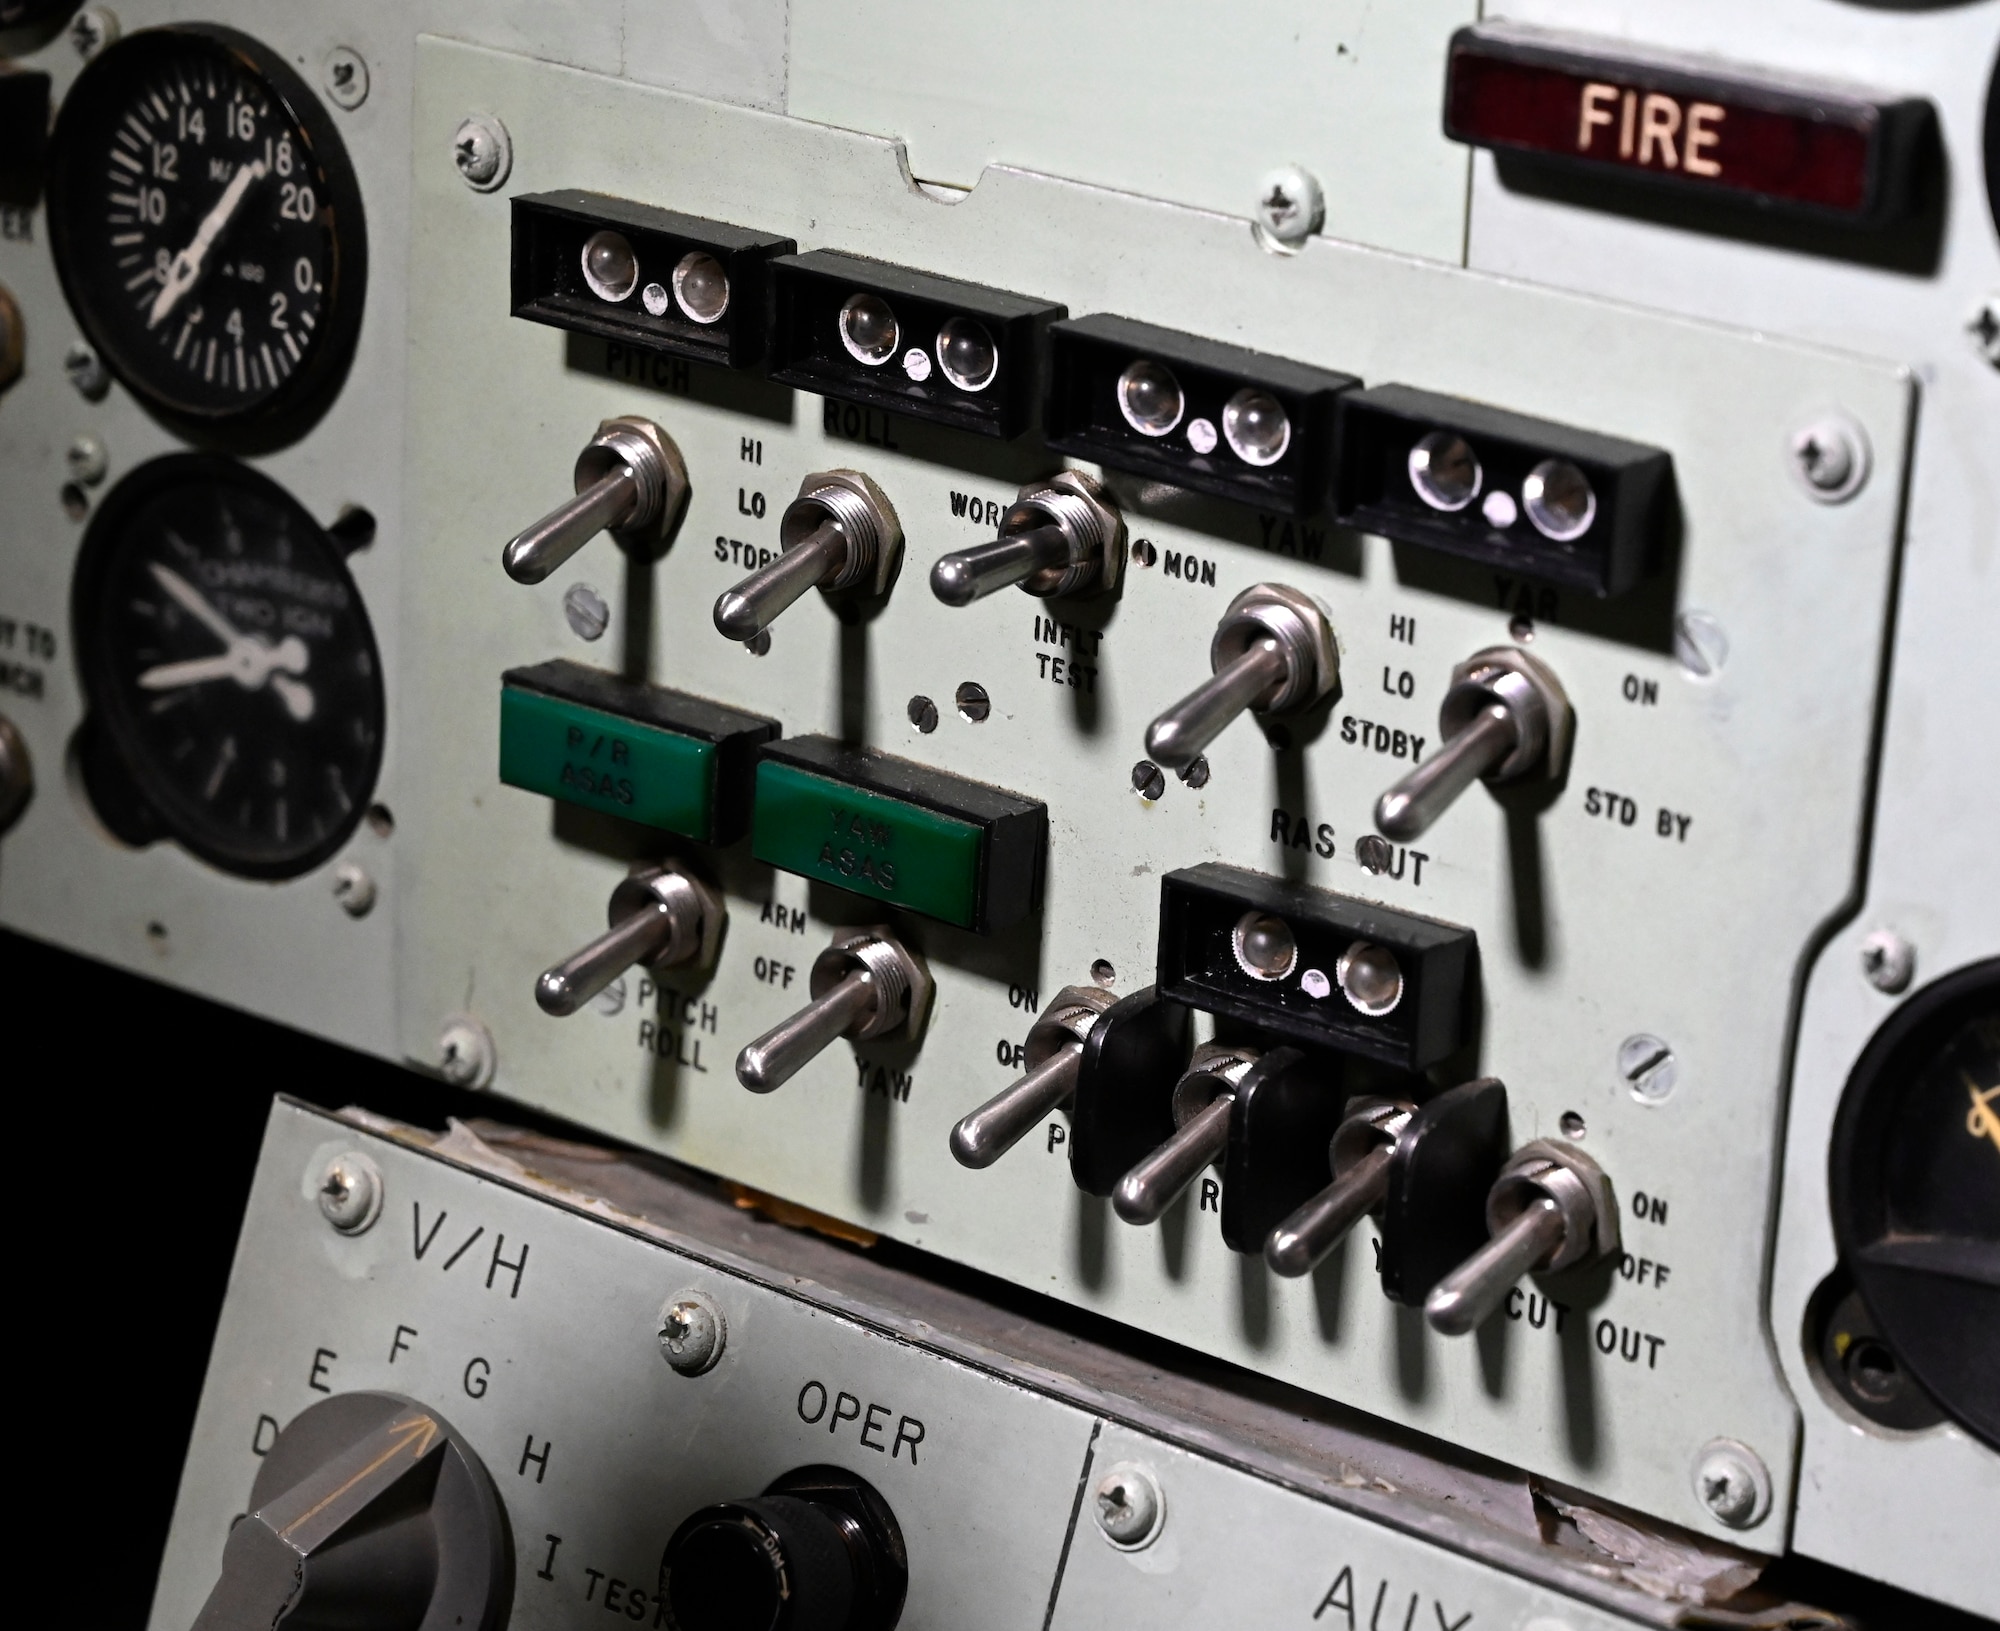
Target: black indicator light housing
1219,419
957,354
1567,506
651,278
1316,968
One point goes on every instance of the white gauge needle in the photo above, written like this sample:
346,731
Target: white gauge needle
185,269
192,602
248,659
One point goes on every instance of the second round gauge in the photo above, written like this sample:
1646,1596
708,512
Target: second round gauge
207,228
230,663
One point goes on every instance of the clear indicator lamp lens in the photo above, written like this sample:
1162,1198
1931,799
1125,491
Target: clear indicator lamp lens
701,287
1558,500
1264,945
1445,471
1256,427
868,329
966,353
1370,977
1150,397
609,266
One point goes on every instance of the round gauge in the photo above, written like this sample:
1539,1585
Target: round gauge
207,229
229,664
1915,1189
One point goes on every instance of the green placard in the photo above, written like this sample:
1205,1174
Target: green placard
876,846
604,762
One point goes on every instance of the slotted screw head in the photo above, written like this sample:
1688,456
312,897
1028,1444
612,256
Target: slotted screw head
346,78
350,1192
692,1334
1889,961
466,1055
1830,458
483,151
1129,1505
1290,207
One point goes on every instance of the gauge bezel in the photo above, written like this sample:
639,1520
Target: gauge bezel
102,541
104,88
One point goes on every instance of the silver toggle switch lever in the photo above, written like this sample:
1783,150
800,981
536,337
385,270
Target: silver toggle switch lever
630,481
1054,1056
867,985
1062,536
661,917
1273,653
1550,1208
1202,1100
1359,1155
838,536
1505,718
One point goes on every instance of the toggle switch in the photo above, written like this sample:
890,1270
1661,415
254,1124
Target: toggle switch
1202,1101
630,482
1551,1208
1062,536
1505,719
866,986
838,536
661,918
1359,1156
1054,1058
1274,653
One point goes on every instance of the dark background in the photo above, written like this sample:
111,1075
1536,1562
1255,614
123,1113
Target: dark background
150,1107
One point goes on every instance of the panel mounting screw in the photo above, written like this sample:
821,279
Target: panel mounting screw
1984,327
354,889
1889,961
483,151
86,371
91,30
350,1193
466,1055
1130,1507
1648,1067
692,1333
1731,1482
86,460
346,78
586,611
1830,458
1290,209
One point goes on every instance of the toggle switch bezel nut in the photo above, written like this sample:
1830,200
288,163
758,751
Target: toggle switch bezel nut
897,972
1564,1174
1070,1017
866,519
1214,1068
1303,628
650,454
1369,1125
1074,501
691,948
1544,722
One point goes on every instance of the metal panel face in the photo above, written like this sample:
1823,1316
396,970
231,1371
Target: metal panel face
1671,887
525,1310
1234,1550
535,1332
1195,109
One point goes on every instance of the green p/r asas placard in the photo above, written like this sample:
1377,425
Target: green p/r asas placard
649,755
958,851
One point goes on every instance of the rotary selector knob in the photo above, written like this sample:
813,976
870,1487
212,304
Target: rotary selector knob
817,1551
369,1510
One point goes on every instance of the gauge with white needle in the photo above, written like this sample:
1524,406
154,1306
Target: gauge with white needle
207,228
230,667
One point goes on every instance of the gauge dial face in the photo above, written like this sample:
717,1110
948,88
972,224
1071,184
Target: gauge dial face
206,226
229,658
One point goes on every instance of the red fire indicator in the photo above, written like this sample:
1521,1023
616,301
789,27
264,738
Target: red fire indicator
1679,122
